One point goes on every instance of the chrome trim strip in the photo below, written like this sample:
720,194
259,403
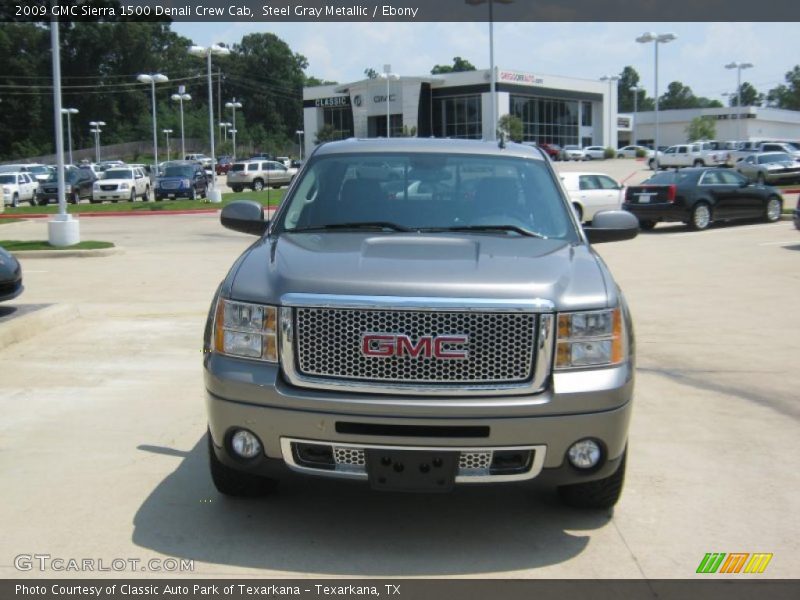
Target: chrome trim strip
539,452
417,303
543,362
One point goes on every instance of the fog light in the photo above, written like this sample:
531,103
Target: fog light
584,454
245,444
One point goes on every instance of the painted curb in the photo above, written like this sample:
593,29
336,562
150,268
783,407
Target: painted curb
138,213
29,325
69,253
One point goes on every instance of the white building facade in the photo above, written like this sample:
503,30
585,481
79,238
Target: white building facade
556,110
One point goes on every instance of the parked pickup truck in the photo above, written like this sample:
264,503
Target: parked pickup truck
418,341
695,154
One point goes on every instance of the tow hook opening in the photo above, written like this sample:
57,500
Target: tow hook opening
315,456
510,461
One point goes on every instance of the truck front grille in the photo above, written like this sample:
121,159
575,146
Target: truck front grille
499,349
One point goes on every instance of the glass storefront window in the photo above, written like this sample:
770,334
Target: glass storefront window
341,119
457,117
547,120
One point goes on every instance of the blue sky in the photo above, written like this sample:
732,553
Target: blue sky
341,51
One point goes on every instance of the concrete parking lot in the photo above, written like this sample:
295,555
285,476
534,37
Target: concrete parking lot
102,440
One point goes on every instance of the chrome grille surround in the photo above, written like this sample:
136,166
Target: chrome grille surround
468,469
536,361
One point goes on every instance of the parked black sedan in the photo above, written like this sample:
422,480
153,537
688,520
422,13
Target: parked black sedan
10,276
700,196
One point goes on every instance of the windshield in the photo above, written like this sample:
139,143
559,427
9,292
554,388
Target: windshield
423,191
119,174
178,171
8,179
773,158
69,173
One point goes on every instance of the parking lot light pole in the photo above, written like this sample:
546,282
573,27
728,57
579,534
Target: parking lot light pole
214,195
388,76
656,38
181,98
233,105
611,79
69,112
166,132
153,79
635,89
96,125
300,134
739,66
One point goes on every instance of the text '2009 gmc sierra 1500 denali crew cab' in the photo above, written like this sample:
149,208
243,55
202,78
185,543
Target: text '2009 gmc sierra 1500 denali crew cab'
420,314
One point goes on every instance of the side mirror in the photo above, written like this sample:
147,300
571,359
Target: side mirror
612,226
245,216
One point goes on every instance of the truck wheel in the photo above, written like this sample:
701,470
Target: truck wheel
15,200
146,195
193,194
701,216
258,185
133,196
698,163
773,209
75,198
236,188
647,225
231,482
601,493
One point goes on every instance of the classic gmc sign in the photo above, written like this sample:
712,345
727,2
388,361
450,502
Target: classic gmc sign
400,346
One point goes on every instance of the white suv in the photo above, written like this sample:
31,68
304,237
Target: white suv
18,187
122,183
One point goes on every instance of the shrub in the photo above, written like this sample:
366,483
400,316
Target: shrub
641,153
609,153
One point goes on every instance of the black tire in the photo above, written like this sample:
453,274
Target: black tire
652,164
133,196
15,200
698,163
701,216
276,187
236,188
193,194
760,179
146,195
93,201
646,224
772,210
601,493
75,198
258,185
231,482
34,201
158,198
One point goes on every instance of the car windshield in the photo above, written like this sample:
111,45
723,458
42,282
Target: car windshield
39,169
773,158
119,174
178,171
69,174
433,192
8,179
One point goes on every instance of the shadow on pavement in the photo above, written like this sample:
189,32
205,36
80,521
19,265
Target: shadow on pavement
312,525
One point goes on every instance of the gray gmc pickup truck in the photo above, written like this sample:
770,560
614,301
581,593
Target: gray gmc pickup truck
420,314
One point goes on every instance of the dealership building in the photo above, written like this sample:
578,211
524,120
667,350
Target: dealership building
559,110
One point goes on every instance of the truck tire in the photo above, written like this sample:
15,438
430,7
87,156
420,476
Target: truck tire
15,200
601,493
231,482
258,185
698,163
133,196
236,188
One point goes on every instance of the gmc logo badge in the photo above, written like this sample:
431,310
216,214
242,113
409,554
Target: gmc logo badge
427,346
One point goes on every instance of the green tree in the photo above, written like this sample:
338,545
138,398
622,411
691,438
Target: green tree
459,64
750,96
511,126
371,73
786,95
681,96
701,128
327,133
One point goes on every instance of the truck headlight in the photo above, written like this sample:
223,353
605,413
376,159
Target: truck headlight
124,186
590,339
246,330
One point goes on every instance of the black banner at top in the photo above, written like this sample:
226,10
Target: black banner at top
401,10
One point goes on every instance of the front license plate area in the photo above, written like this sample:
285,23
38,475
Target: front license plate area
412,470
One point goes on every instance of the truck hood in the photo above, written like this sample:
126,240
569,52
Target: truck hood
447,265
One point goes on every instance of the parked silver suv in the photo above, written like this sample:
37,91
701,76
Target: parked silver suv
443,321
258,174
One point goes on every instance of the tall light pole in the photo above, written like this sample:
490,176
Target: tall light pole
388,76
635,89
96,125
181,97
300,134
739,66
214,195
166,132
69,112
493,74
656,38
153,79
611,79
233,105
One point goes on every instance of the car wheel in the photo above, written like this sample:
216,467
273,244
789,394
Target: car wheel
760,179
193,194
15,201
133,196
236,188
258,185
647,224
231,482
75,198
701,216
652,164
601,493
698,163
35,202
773,209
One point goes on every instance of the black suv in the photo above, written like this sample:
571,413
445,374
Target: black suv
182,179
78,184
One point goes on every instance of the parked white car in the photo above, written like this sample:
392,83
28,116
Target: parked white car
572,152
630,151
122,183
594,152
18,187
592,192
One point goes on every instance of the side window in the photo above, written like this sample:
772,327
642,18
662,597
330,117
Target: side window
252,167
671,150
710,178
729,178
607,183
587,182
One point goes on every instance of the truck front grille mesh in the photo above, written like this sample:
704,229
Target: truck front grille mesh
499,350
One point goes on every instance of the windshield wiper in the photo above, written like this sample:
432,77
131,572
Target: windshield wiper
489,228
378,225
